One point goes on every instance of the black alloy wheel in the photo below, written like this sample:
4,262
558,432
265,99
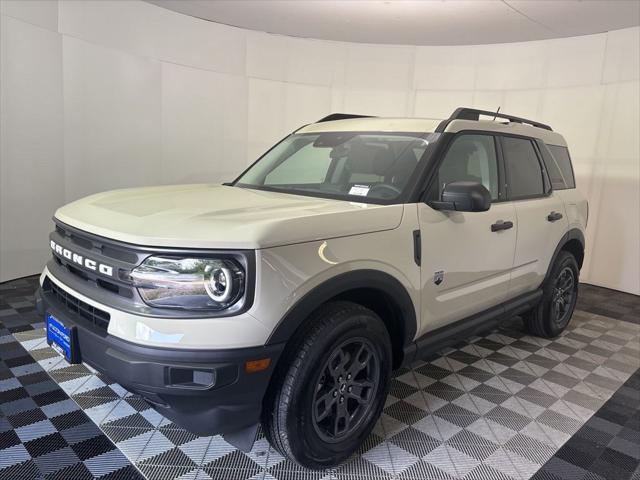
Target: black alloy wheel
563,296
344,392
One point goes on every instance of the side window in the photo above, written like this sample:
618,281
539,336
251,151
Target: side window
562,162
308,165
555,174
524,172
470,158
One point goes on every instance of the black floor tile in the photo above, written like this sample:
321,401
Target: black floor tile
46,444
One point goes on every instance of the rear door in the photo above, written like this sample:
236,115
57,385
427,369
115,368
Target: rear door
540,212
558,164
466,264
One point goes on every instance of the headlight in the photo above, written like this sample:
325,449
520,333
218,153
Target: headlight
189,283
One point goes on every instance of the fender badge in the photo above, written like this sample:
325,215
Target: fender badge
438,277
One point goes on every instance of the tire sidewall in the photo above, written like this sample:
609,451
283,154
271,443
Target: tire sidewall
307,442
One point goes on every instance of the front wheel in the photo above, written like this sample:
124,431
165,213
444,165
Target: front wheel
560,294
329,393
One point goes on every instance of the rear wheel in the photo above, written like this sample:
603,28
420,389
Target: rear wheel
560,294
330,390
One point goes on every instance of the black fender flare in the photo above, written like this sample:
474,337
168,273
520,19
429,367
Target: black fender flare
343,283
573,234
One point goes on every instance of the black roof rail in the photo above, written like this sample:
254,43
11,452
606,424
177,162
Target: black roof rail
464,113
341,116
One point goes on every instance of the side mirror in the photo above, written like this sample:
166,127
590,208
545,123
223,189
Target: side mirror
464,197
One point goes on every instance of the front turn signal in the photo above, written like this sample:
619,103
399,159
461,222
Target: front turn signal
253,366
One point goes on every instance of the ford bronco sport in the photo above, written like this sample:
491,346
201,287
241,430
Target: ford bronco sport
287,297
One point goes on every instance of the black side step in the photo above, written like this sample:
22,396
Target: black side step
435,340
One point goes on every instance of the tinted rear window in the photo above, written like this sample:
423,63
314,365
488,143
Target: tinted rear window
559,168
524,171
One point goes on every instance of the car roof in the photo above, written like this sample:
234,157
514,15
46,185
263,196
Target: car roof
428,125
373,124
510,128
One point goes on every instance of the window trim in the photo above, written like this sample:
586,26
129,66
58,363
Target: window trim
546,178
546,181
435,166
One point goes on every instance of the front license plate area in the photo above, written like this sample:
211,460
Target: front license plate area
62,338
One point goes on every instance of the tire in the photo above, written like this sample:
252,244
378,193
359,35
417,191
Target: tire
552,315
315,372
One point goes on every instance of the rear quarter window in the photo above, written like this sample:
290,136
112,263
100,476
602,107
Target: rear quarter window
524,171
559,167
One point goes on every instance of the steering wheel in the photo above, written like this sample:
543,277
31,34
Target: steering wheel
385,187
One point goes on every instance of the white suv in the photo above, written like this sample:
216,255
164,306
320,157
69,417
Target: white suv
287,297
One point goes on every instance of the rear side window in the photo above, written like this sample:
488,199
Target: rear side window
559,168
524,172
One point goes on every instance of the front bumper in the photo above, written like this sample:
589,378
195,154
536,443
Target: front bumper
204,391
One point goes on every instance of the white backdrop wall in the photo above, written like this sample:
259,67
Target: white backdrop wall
102,95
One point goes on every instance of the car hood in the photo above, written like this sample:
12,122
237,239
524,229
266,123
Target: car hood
216,216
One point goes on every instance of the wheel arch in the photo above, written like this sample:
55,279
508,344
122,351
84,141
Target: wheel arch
572,242
376,290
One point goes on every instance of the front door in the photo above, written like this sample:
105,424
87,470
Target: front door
466,256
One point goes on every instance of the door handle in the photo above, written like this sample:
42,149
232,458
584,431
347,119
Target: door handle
500,225
553,216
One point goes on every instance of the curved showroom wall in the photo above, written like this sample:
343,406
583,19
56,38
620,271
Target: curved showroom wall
109,94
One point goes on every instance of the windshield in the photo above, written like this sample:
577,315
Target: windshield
350,165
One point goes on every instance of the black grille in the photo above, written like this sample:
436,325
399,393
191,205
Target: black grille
97,244
97,317
100,250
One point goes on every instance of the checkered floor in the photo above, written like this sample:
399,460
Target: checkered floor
499,406
43,433
607,446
